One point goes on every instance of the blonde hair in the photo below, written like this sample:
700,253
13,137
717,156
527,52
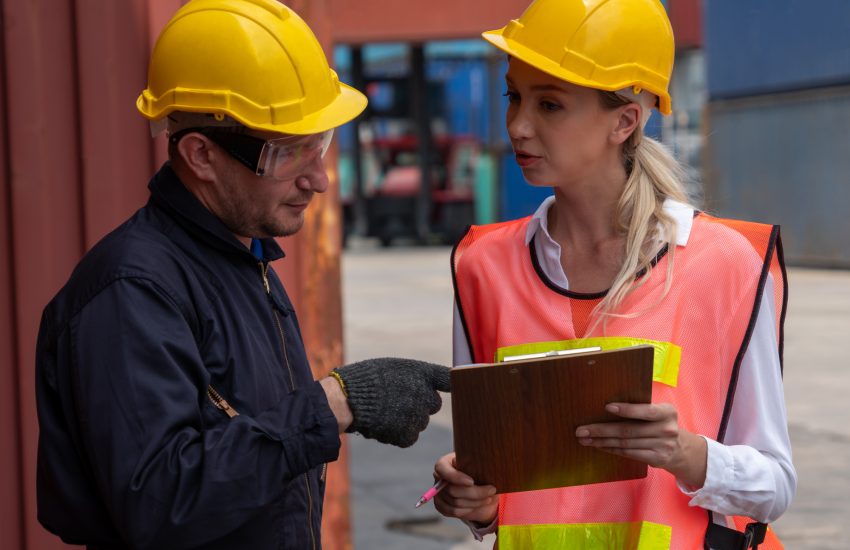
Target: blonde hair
653,176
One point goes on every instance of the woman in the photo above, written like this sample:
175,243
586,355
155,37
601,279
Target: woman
619,253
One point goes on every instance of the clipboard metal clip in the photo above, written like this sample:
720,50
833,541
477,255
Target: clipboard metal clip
553,353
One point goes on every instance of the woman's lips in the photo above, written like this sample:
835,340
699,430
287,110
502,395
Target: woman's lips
524,159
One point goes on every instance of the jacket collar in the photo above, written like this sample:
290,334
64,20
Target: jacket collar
169,194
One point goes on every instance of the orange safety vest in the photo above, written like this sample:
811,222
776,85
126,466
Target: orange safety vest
701,331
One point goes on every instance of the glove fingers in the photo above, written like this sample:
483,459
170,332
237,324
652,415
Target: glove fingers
435,403
409,434
440,378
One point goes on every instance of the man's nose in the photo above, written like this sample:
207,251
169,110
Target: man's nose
313,177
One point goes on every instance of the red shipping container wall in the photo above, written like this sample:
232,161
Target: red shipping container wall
686,18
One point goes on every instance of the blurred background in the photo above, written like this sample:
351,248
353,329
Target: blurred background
761,111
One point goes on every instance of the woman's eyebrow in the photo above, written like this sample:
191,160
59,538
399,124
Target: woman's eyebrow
541,87
549,88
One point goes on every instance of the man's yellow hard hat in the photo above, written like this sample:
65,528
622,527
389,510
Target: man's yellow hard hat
256,61
603,44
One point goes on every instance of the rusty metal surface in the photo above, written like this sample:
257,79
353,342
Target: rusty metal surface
11,517
43,173
115,143
358,22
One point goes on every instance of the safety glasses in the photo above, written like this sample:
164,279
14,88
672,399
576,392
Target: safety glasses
280,158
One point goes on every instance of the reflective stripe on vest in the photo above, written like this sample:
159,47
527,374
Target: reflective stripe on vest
508,307
665,367
640,535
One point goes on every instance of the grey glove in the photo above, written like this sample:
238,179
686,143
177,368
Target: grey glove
391,398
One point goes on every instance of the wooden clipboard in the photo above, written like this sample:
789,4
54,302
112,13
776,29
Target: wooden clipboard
514,422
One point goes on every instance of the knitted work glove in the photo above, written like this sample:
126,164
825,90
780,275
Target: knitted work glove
391,399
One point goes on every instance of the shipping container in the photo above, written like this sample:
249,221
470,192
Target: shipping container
767,46
686,18
517,198
785,159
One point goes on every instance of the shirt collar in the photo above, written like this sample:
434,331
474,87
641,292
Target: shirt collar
682,214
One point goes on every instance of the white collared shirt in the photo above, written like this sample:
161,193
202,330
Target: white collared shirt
751,474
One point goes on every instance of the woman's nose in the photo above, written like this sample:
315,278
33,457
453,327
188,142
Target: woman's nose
518,124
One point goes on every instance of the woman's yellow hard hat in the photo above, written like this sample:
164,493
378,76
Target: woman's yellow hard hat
256,61
603,44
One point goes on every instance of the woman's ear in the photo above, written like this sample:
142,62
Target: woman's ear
628,119
197,155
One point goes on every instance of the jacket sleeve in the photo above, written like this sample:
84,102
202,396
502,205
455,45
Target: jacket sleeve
138,384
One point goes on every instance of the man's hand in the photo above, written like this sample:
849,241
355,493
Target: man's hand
391,399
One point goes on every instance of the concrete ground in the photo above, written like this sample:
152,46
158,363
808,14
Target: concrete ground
398,301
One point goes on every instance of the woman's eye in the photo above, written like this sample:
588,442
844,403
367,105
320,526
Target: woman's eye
549,106
513,97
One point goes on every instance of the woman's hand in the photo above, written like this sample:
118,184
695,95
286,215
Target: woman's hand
652,435
461,498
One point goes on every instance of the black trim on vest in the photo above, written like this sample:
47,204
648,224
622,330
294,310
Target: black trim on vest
717,536
582,295
780,255
457,294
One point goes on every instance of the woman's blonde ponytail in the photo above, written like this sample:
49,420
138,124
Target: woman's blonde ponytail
653,177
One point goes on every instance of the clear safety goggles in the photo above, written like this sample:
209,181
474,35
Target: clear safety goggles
279,158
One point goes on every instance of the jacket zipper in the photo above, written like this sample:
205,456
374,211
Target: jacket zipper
220,402
264,268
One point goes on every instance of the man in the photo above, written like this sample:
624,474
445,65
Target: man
176,405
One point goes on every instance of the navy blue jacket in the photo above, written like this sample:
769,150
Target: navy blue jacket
133,453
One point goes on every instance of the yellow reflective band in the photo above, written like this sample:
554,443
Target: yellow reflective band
638,535
665,368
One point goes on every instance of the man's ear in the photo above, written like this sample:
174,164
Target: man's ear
197,154
628,119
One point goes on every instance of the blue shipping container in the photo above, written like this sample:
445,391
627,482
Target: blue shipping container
517,198
764,46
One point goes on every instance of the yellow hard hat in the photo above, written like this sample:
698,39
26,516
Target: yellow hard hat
256,61
603,44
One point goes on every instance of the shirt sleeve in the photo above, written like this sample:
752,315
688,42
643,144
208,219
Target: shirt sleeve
751,473
167,474
480,532
460,347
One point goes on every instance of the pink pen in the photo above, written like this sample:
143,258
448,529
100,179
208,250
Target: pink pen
432,492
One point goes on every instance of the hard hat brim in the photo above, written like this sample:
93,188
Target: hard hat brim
347,105
542,63
344,108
